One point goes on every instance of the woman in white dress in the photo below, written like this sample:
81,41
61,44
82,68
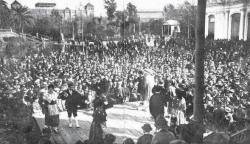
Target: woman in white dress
51,112
181,110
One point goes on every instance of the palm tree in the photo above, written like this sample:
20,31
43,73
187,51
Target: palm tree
21,17
4,14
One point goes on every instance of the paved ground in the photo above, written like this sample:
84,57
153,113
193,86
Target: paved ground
123,121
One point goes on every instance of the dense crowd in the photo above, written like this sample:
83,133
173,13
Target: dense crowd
113,70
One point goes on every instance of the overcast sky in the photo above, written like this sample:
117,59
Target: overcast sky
99,4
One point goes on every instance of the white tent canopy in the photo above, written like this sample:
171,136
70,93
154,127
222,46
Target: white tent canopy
170,27
171,22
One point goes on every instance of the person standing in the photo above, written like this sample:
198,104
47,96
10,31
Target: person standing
140,87
99,119
181,109
157,102
51,112
163,136
72,101
146,138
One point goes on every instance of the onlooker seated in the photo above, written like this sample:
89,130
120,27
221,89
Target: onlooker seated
146,138
163,136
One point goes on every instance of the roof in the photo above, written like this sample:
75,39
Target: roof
148,11
89,4
148,14
171,22
16,2
40,4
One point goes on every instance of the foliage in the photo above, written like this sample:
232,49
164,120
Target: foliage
4,14
170,12
56,19
19,47
121,22
110,6
96,27
16,120
45,26
132,13
185,14
20,17
155,26
132,17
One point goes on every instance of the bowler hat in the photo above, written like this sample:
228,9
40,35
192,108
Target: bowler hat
146,127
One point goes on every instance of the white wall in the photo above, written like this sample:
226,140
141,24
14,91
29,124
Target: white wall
220,24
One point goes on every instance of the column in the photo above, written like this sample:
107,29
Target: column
246,27
242,23
206,25
227,24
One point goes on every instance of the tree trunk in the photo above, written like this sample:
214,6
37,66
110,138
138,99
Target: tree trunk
199,66
188,29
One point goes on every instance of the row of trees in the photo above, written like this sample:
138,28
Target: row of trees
128,21
125,21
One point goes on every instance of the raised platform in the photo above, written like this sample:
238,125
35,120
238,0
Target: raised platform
123,121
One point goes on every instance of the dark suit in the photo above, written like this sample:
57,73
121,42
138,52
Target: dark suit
145,139
157,102
72,101
163,137
156,105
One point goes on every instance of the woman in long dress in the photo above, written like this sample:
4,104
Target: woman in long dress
181,111
51,112
99,119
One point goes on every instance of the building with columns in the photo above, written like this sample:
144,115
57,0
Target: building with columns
44,10
228,19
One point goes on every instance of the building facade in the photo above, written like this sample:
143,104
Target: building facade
45,9
147,15
228,19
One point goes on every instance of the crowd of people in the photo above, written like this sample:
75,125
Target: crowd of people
101,74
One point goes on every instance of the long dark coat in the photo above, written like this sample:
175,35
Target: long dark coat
156,105
145,139
163,137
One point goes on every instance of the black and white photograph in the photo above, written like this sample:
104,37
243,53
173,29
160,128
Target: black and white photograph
124,71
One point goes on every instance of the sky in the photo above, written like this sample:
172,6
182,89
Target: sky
99,4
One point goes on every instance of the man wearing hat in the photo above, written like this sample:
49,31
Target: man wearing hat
72,100
163,136
146,138
157,101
